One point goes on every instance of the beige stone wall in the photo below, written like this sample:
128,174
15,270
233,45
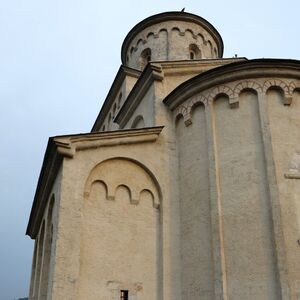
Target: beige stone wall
111,231
196,232
253,166
144,111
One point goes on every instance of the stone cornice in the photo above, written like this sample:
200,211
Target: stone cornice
230,72
152,72
171,16
181,67
66,146
112,94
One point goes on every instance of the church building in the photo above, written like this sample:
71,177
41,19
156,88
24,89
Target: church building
187,186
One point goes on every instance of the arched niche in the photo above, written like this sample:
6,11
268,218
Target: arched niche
145,58
194,52
138,122
276,93
120,231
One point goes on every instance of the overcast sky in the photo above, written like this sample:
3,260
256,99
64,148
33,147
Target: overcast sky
57,62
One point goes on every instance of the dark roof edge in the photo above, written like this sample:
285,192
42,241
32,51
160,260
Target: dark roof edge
51,164
166,16
114,89
183,91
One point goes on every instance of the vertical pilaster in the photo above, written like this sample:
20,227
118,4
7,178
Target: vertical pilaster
216,208
279,244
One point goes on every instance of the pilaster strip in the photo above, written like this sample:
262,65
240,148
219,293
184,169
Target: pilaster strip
280,253
216,209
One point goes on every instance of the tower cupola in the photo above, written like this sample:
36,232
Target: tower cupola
171,36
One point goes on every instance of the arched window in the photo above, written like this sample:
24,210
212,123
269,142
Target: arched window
138,122
114,110
194,52
120,99
145,57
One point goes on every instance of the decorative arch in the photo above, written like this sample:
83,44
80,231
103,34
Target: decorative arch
114,172
120,99
176,29
201,37
245,85
114,110
276,83
138,122
191,32
280,85
163,30
223,90
194,52
185,110
140,41
145,57
293,86
150,34
127,188
209,43
251,85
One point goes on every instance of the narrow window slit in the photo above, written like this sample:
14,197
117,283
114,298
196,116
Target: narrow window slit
123,295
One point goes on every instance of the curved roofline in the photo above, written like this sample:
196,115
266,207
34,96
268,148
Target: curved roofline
263,67
171,16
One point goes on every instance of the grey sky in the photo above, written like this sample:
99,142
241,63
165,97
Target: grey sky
58,60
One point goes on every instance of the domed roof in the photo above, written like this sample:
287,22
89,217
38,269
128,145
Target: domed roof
171,16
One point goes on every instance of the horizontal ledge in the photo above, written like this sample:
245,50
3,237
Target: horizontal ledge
69,145
292,175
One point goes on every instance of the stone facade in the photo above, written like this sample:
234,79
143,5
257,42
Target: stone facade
188,185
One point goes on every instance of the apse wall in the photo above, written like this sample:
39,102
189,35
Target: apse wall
239,161
247,223
284,125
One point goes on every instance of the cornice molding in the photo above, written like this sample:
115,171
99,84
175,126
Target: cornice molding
68,145
249,69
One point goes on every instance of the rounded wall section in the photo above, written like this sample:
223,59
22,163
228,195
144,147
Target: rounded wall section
171,36
236,130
